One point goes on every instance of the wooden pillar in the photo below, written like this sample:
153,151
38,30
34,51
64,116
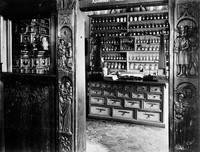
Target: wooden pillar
185,74
71,77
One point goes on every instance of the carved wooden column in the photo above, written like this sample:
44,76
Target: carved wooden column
184,121
71,116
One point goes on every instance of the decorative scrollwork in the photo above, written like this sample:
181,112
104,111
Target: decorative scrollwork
185,116
65,144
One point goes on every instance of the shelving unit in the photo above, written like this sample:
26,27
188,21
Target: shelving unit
130,41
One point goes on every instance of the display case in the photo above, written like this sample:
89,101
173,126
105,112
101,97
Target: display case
31,46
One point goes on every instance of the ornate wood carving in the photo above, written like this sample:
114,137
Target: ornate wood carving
65,143
185,116
185,106
65,49
66,73
65,104
28,116
186,43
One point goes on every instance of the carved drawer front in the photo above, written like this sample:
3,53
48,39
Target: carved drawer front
133,103
117,86
138,95
149,116
106,86
142,88
109,93
129,87
96,92
124,94
100,110
152,105
123,113
97,100
96,84
155,89
154,96
114,102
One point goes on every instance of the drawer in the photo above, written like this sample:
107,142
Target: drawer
109,93
152,105
130,87
95,84
142,88
148,116
138,95
98,100
124,94
106,85
100,110
154,96
123,113
133,103
114,102
96,92
155,89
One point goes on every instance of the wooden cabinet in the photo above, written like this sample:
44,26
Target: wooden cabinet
131,41
140,102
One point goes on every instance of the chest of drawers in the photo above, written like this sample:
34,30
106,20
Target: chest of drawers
134,102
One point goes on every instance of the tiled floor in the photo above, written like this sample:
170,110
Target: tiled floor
108,136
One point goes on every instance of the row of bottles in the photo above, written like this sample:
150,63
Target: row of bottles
132,33
142,66
147,40
116,65
137,18
113,27
109,19
150,25
149,32
144,57
114,57
110,48
147,48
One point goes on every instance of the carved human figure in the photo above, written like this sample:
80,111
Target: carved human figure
185,47
65,101
65,53
182,49
184,119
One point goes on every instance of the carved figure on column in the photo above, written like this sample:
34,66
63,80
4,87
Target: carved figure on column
186,45
185,111
65,53
65,104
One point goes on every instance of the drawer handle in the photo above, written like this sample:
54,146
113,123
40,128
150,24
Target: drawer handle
138,95
114,101
149,115
154,96
132,103
151,104
100,110
156,89
123,112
